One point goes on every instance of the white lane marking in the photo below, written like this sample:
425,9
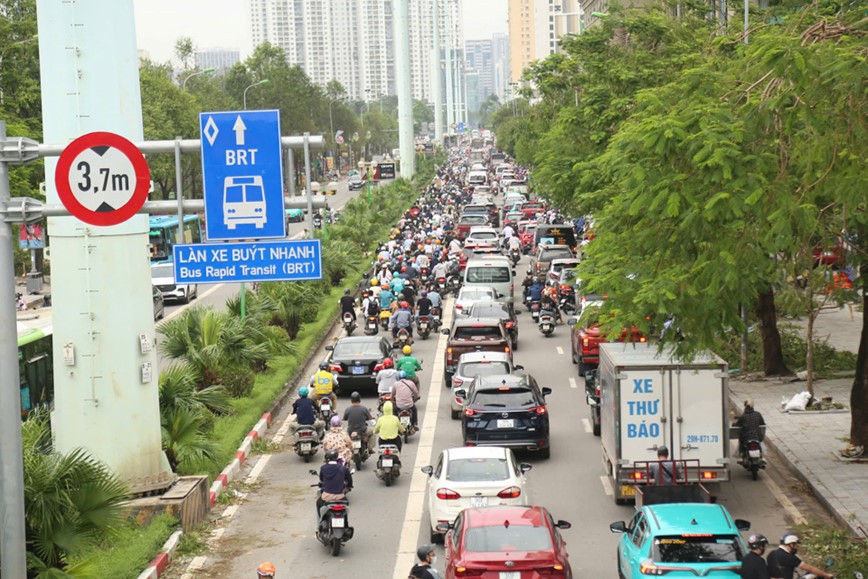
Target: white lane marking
789,508
573,383
230,511
197,564
560,350
257,469
586,424
413,519
607,485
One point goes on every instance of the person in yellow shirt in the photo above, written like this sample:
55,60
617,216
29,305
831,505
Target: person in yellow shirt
389,427
323,384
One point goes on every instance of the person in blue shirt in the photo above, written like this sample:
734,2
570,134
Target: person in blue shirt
386,297
535,290
304,412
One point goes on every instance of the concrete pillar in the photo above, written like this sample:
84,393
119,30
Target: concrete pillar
405,96
437,88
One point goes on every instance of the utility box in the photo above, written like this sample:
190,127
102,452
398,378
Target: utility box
34,282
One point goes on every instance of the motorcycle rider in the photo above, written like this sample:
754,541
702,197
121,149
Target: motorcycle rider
389,427
264,570
335,481
338,440
386,377
752,425
424,569
405,393
324,383
436,303
386,297
409,364
535,291
439,270
357,417
348,304
402,320
424,304
783,561
304,411
753,566
550,302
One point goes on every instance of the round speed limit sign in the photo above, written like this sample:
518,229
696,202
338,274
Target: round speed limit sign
102,178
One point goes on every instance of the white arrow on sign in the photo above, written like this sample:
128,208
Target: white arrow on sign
239,129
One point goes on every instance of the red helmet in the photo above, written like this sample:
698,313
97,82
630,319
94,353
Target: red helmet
404,305
387,363
403,269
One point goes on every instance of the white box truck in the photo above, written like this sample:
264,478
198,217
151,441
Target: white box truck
650,399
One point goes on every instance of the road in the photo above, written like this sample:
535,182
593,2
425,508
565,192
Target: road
275,519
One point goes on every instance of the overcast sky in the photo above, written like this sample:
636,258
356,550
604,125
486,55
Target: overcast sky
223,23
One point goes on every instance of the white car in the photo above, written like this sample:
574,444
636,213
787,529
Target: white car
481,235
474,364
467,296
472,477
163,278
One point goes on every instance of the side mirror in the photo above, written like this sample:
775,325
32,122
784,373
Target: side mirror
546,391
563,525
742,525
524,467
429,470
572,321
445,331
444,527
619,527
313,472
460,393
330,348
518,368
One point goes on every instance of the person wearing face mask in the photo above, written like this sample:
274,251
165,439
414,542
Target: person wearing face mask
424,569
783,561
753,566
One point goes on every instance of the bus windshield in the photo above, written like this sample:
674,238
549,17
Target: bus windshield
163,234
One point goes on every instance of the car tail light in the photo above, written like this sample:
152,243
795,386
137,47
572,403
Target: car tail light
469,412
447,494
448,355
335,368
510,493
459,307
597,391
550,571
585,342
510,325
539,410
466,572
649,568
506,349
338,507
637,475
511,288
456,382
642,339
709,475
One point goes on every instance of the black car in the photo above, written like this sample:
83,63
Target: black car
506,410
501,311
353,359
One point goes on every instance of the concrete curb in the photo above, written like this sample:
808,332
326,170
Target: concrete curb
159,563
231,471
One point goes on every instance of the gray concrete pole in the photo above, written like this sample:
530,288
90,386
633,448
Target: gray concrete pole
13,560
179,191
307,188
437,89
290,172
450,95
402,83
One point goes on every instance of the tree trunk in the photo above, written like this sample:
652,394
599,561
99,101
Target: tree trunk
773,355
859,392
809,355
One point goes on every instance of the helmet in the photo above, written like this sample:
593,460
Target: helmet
387,363
404,269
407,350
404,305
423,552
335,420
757,541
355,397
323,365
346,291
535,279
423,293
303,391
789,539
331,455
401,375
374,283
265,570
662,451
384,285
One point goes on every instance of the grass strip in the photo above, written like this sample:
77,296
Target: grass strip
127,554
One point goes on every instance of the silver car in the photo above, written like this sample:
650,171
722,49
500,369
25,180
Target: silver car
474,364
163,278
467,296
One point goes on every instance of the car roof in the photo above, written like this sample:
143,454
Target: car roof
682,518
498,515
566,260
358,339
471,357
482,229
477,322
477,288
495,380
463,452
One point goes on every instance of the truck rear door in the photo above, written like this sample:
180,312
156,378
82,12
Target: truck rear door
699,418
643,396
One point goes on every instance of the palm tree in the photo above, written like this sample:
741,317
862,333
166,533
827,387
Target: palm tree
178,390
184,436
338,258
295,304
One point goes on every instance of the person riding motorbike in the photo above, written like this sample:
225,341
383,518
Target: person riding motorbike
783,561
549,302
436,303
389,427
424,304
386,297
405,394
402,320
439,270
386,377
348,304
408,294
323,383
357,416
753,566
535,291
513,243
409,364
337,439
335,481
751,424
663,471
424,569
304,412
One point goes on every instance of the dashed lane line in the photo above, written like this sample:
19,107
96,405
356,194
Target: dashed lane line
559,350
607,485
573,383
586,424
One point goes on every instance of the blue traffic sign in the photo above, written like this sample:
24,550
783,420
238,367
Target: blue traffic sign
239,262
242,172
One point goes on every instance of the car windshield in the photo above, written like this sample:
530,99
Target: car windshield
504,397
486,310
477,469
483,235
488,274
162,271
345,350
550,254
477,333
499,538
473,218
696,549
483,369
476,294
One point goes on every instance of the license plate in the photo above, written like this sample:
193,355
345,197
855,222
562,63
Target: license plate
510,575
387,462
478,502
358,369
754,453
357,444
423,326
405,421
628,490
507,423
305,446
338,523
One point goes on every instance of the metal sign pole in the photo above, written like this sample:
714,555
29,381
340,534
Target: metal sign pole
307,185
179,191
290,171
13,563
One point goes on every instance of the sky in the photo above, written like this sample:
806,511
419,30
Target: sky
223,23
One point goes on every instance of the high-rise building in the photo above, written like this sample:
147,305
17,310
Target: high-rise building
478,56
500,63
220,59
535,27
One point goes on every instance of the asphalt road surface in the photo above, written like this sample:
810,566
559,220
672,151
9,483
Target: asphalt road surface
275,519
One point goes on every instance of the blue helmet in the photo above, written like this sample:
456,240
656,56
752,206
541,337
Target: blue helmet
401,374
303,391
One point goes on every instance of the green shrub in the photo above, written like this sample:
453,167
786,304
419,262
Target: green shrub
237,380
127,554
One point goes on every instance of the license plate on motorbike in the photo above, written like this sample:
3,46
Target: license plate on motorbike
305,447
358,369
506,423
476,502
357,444
754,453
338,523
387,462
405,421
423,325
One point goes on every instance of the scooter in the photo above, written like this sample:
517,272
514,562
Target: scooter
383,398
360,450
423,324
753,458
349,323
534,307
406,418
546,323
441,285
325,409
334,524
402,339
306,442
388,463
372,325
385,315
453,283
514,256
317,221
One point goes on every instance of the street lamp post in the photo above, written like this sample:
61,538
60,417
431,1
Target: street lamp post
332,130
208,70
244,96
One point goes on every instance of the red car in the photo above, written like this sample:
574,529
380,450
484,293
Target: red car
506,541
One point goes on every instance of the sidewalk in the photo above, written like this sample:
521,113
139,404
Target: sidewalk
810,442
34,301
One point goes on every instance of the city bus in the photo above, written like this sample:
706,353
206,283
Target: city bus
35,370
163,233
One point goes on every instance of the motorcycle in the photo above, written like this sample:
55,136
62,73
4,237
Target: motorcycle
372,325
753,458
334,525
424,276
423,324
306,442
402,339
514,256
360,450
349,323
546,323
567,303
453,283
385,315
388,463
317,221
325,409
406,418
383,398
534,307
441,285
